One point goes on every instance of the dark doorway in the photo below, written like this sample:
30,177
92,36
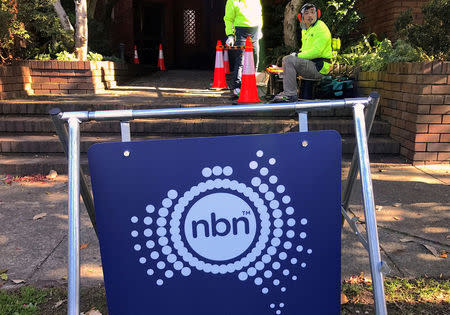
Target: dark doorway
191,46
148,30
188,30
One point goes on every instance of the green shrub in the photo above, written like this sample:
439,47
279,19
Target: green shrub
13,34
372,55
112,58
92,56
433,36
341,17
34,30
43,57
66,56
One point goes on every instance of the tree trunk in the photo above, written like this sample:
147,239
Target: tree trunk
290,23
81,29
63,18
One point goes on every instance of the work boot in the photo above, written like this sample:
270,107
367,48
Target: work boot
284,98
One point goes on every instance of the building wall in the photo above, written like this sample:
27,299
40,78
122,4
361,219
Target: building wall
380,15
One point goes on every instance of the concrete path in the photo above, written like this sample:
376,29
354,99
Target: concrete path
413,216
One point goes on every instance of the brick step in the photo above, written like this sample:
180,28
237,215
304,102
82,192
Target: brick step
42,107
31,163
48,143
191,126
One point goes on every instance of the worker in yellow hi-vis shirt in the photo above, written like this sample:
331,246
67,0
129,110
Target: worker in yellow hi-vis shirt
242,18
314,58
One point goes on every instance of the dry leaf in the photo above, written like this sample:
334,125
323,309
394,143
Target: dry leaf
52,174
83,246
93,312
18,281
397,204
4,277
39,216
3,271
378,208
397,218
406,240
344,299
367,281
59,303
443,254
431,249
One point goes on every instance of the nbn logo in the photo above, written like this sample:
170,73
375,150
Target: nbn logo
210,228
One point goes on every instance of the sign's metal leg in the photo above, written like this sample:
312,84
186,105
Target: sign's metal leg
353,224
369,211
353,171
73,301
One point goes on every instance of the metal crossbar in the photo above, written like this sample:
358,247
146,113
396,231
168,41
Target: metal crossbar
364,110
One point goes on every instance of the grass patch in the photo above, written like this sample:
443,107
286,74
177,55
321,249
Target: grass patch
403,296
24,301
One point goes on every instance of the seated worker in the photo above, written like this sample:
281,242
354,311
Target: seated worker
312,61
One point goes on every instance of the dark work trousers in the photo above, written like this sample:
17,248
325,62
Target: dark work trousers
241,34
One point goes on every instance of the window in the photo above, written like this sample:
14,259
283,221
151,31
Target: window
190,27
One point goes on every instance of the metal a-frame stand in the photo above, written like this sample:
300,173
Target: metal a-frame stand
364,110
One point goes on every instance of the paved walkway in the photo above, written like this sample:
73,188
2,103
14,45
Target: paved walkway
413,216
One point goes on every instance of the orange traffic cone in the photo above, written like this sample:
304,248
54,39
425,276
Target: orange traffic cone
220,81
226,61
249,93
161,59
136,58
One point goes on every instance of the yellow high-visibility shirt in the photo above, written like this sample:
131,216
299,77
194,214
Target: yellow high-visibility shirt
316,43
244,13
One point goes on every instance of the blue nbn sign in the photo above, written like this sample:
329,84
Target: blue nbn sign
229,225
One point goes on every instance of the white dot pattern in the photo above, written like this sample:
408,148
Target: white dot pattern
260,265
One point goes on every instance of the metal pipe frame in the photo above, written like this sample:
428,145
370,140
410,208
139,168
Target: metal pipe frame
369,210
360,156
61,130
73,301
131,114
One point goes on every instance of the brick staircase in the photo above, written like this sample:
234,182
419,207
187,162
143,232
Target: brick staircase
28,143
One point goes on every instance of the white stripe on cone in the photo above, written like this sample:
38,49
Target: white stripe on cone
219,61
249,63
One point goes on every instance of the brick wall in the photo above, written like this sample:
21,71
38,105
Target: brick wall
60,77
415,100
15,81
379,16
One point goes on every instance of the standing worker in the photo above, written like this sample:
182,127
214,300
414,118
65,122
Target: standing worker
242,18
313,60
